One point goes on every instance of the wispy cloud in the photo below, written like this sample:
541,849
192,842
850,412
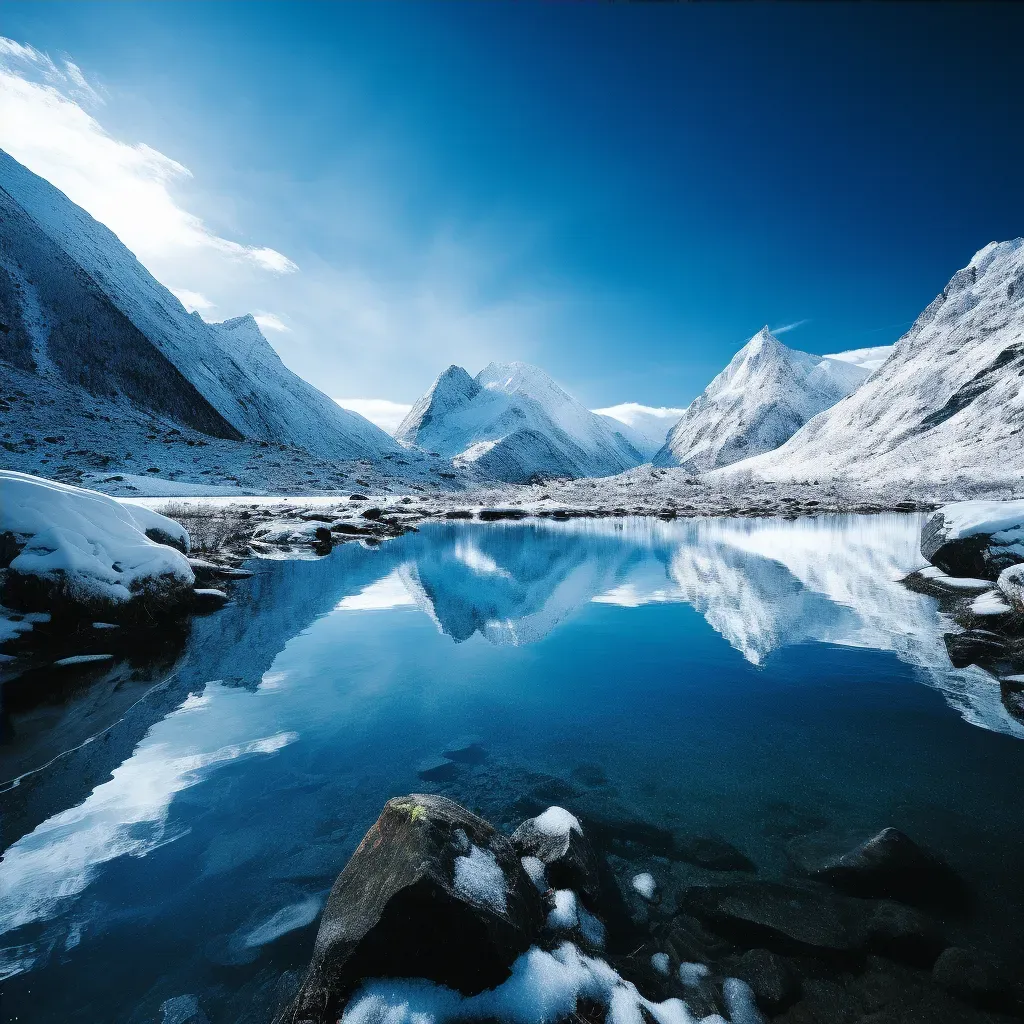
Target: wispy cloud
386,414
194,302
385,303
789,327
270,322
44,124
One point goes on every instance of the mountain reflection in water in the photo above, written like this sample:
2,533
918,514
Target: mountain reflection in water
313,697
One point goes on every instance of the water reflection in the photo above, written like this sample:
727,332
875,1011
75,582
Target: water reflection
313,696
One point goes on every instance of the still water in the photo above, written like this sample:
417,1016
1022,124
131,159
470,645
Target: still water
761,681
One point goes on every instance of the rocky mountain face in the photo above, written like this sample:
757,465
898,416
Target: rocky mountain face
82,318
512,422
946,407
763,397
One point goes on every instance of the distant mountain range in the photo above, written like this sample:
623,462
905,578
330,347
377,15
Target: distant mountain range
106,373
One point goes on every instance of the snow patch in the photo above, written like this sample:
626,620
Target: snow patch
557,821
645,885
544,987
479,878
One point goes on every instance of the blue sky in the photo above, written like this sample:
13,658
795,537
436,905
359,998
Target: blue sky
622,194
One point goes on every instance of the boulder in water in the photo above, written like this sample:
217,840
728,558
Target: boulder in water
432,892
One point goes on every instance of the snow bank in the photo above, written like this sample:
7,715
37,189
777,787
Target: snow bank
542,989
83,548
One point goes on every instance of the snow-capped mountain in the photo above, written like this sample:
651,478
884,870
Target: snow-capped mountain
79,310
514,423
947,406
765,394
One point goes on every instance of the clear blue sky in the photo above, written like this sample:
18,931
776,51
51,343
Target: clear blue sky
620,193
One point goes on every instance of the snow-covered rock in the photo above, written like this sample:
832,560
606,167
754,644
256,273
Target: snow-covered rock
975,538
514,423
82,552
946,407
78,308
1011,586
765,394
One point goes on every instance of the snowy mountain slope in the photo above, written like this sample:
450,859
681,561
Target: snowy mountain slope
946,407
765,394
646,428
514,423
79,306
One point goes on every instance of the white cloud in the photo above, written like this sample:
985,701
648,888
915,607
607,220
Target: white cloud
193,301
633,414
125,186
387,415
270,321
789,327
382,305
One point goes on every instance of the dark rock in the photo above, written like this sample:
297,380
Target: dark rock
786,918
1012,695
773,981
437,769
890,865
490,515
458,513
973,646
469,750
979,979
903,933
397,911
324,541
158,536
209,600
9,548
567,854
358,497
373,513
977,556
713,853
687,941
352,529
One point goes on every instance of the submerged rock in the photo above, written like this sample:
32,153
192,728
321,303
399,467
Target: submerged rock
788,917
890,865
432,892
772,980
713,853
980,979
